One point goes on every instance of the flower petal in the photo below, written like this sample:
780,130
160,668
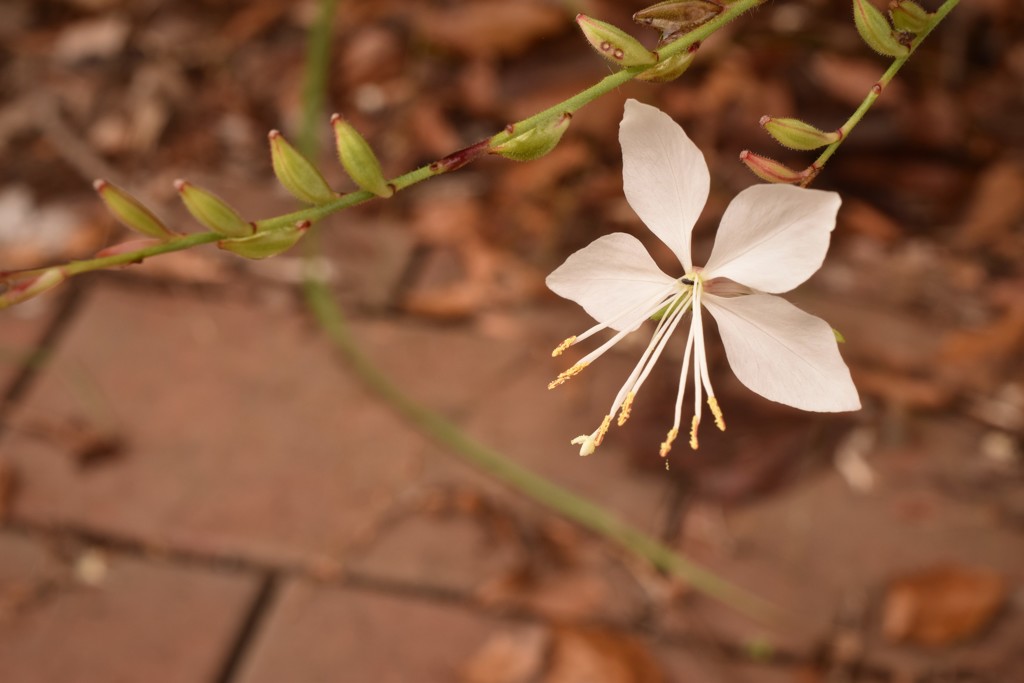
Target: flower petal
773,237
609,277
783,353
665,177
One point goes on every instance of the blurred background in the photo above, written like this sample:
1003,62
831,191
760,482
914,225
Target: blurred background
193,488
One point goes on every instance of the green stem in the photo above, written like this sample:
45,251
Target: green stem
446,433
542,490
456,160
875,91
314,87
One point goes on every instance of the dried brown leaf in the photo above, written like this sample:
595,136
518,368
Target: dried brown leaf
996,206
490,28
515,656
599,655
941,606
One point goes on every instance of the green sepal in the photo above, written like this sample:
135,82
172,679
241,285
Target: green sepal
614,44
266,244
212,211
909,16
796,134
874,28
536,142
130,211
296,173
668,69
358,159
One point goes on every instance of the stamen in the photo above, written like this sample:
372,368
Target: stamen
586,444
568,374
602,430
563,346
627,405
693,431
717,412
666,445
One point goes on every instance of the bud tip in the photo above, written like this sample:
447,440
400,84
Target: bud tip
764,121
275,133
99,184
180,184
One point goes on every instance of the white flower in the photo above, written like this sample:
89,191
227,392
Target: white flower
771,239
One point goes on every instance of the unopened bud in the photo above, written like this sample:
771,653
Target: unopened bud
265,244
22,291
358,158
678,16
874,28
536,142
769,170
614,44
130,210
796,134
296,173
212,211
668,69
909,16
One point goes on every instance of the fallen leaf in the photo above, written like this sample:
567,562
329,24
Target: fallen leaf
996,206
942,606
491,28
600,655
513,656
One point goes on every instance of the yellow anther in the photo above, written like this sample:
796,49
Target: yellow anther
693,432
627,405
563,346
717,412
602,430
565,376
666,445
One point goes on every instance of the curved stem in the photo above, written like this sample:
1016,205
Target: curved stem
874,93
561,500
450,163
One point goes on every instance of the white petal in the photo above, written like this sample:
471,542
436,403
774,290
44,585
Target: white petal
609,277
664,176
773,237
782,353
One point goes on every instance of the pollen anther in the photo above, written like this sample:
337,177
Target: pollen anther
627,406
567,375
693,432
560,349
666,445
717,412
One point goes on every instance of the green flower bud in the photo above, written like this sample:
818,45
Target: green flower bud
668,69
298,175
770,170
536,142
909,16
678,16
266,244
212,211
130,211
614,44
796,134
23,291
358,158
874,28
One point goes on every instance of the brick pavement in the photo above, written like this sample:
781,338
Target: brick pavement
251,459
